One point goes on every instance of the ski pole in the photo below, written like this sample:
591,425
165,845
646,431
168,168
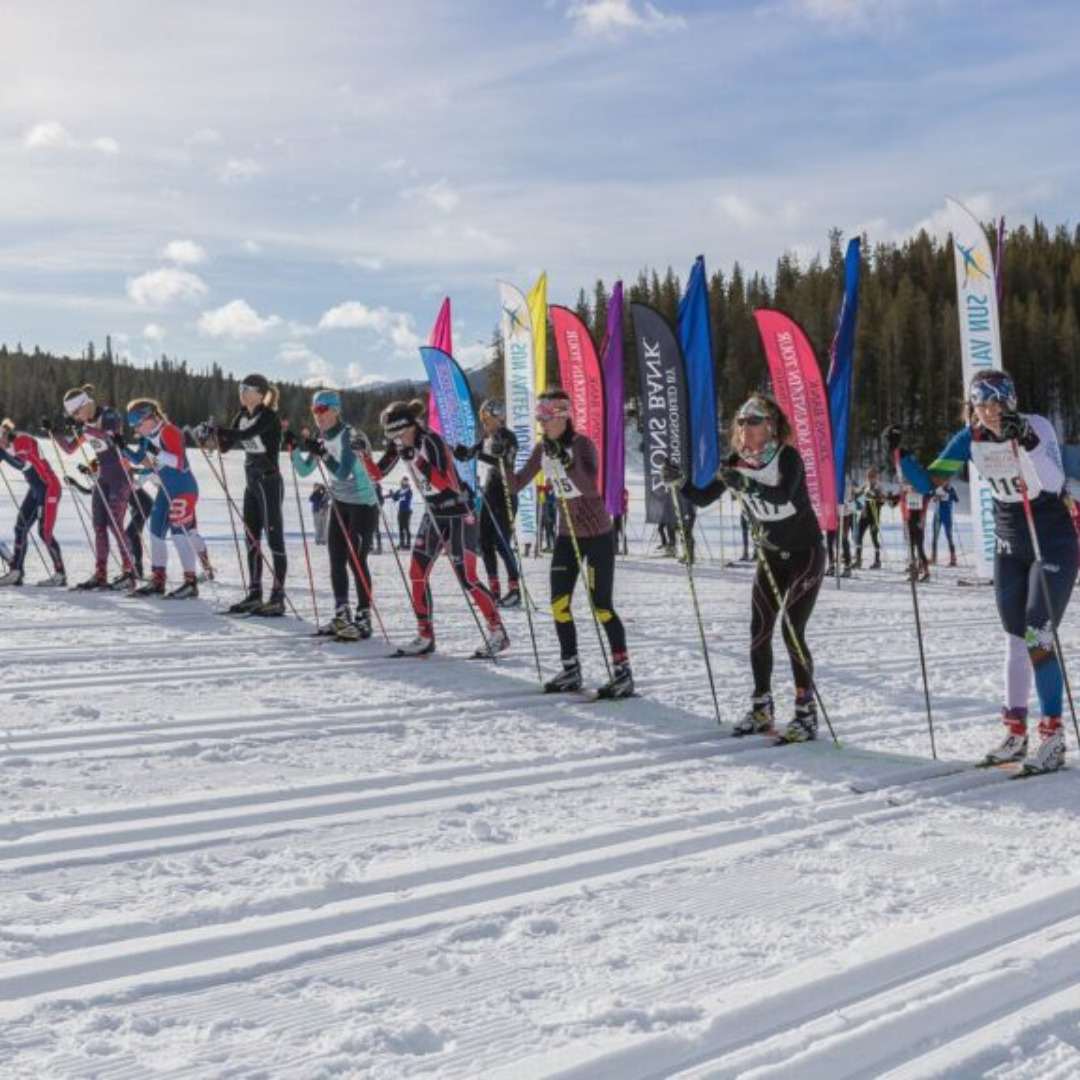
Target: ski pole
29,526
444,546
572,533
781,600
352,549
223,480
78,508
95,478
1045,585
694,596
521,565
915,605
252,540
303,535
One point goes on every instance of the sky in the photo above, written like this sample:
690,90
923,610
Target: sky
294,188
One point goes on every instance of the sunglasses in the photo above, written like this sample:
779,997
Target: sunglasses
751,421
320,410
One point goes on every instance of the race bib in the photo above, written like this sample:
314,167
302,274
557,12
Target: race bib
998,466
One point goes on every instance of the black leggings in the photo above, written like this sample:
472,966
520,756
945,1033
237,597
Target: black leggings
263,497
141,503
916,535
599,553
495,541
349,536
798,579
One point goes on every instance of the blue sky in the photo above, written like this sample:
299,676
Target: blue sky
293,188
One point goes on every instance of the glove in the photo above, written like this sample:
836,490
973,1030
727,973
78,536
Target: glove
670,473
731,476
203,432
1017,427
46,424
88,470
461,453
74,425
558,452
499,446
314,447
406,453
894,438
360,443
289,441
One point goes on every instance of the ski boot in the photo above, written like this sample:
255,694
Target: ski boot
497,641
362,622
98,580
421,645
621,684
857,564
803,726
759,717
1049,755
846,571
340,618
1015,744
273,608
154,587
876,564
249,605
125,581
952,558
207,572
924,572
56,579
189,590
512,599
567,680
12,577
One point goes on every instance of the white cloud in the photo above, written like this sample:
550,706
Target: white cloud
607,18
237,171
153,332
159,288
440,194
52,135
356,377
184,253
738,211
305,365
393,327
236,319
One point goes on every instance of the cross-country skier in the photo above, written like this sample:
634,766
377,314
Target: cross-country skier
870,497
353,512
570,462
404,497
21,451
1017,454
257,428
450,524
161,447
99,427
914,504
766,472
496,451
944,498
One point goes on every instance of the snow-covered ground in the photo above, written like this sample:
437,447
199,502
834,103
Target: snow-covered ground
228,849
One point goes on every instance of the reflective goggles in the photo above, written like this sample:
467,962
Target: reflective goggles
751,420
321,410
552,409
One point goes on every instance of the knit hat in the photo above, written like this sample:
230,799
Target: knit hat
326,399
494,407
396,418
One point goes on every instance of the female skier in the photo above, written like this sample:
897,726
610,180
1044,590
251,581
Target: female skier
496,451
449,524
1018,456
571,463
99,427
767,475
21,451
354,511
161,447
257,428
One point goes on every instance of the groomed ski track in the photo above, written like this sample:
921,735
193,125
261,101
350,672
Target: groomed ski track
228,849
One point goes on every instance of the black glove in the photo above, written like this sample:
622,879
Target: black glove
46,424
560,453
204,432
313,446
499,446
87,470
462,453
894,438
406,453
289,442
1015,426
360,443
74,425
670,473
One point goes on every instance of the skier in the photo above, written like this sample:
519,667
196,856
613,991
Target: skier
98,427
570,462
257,428
1018,456
766,472
353,512
161,447
449,524
21,451
915,504
404,497
320,511
944,497
497,451
869,499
